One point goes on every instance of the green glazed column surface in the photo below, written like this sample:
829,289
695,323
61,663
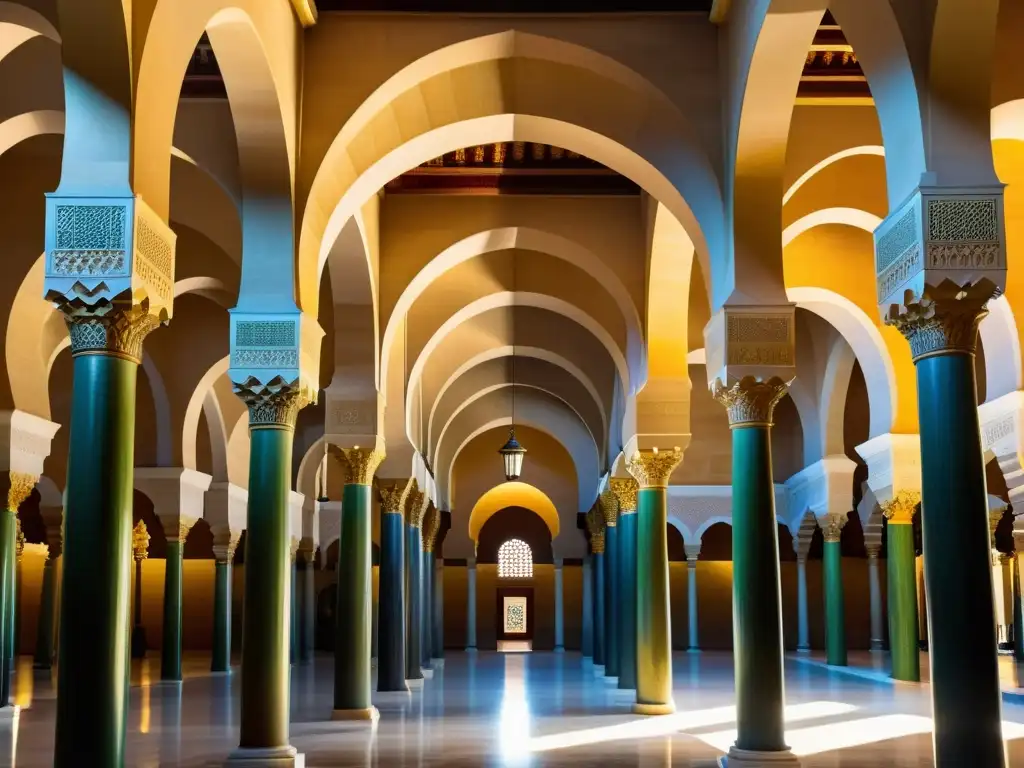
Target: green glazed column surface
966,697
426,634
413,602
611,602
599,624
92,687
221,661
627,599
265,621
652,471
11,618
902,594
352,644
391,611
1018,608
835,611
44,626
170,650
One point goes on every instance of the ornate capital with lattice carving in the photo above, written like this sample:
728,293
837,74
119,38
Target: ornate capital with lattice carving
110,270
626,490
19,539
274,405
181,532
750,402
609,506
20,488
140,541
415,507
900,509
431,527
652,469
362,464
832,525
224,549
393,497
940,326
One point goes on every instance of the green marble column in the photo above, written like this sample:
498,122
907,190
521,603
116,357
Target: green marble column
221,657
8,535
391,621
267,614
626,490
414,588
901,569
43,658
610,510
293,628
835,609
431,524
595,524
170,650
353,630
757,596
13,608
652,470
966,697
92,687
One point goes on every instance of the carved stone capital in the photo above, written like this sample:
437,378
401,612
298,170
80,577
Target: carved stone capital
652,469
431,527
832,525
692,553
939,243
393,497
180,532
110,270
595,525
19,539
415,507
362,464
609,507
900,509
140,541
942,324
224,546
19,489
750,402
274,405
626,490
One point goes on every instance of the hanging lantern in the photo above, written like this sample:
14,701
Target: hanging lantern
512,454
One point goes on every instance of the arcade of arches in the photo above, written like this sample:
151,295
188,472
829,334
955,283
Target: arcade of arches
282,274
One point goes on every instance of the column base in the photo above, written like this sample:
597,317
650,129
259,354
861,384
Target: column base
9,714
747,758
393,697
266,757
693,650
803,649
428,674
368,715
471,650
599,670
613,681
559,649
877,646
415,683
654,709
437,662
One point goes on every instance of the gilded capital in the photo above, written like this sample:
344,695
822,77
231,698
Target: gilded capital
294,548
609,506
20,488
415,508
140,541
942,326
431,527
626,490
19,539
274,405
595,524
393,497
362,464
224,551
900,509
832,526
652,469
750,402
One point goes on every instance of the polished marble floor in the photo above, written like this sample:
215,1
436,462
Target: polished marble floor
491,709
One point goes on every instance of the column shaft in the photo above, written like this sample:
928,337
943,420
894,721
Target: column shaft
426,630
44,627
413,602
835,618
599,625
391,621
471,607
8,533
438,629
902,570
293,625
757,598
267,606
1018,610
138,637
653,613
92,687
11,618
588,610
627,600
803,642
559,608
966,698
693,642
170,651
352,630
221,661
875,587
307,643
611,602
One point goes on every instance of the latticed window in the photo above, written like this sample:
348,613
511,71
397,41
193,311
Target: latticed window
515,560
